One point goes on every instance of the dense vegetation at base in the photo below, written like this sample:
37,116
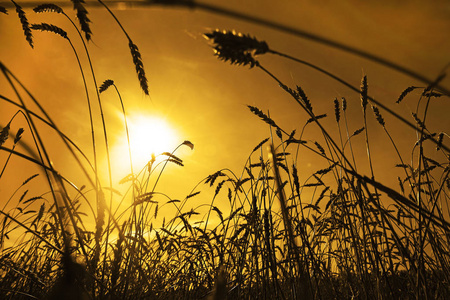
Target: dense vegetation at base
338,234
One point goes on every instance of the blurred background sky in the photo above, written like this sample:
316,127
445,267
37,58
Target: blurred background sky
203,99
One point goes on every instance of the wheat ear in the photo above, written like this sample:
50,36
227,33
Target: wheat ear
25,24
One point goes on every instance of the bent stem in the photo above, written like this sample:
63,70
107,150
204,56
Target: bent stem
355,89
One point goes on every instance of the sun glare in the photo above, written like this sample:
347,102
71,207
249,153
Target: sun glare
148,134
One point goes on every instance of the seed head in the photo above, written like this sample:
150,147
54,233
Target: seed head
236,47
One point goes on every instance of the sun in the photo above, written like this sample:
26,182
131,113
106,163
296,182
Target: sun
148,134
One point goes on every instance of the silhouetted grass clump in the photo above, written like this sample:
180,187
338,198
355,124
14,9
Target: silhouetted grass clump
339,232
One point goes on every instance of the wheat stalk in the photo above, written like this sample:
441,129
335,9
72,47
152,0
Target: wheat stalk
337,112
135,54
240,49
363,92
83,18
262,115
105,85
24,22
49,7
50,28
236,42
378,115
4,134
139,65
236,47
405,93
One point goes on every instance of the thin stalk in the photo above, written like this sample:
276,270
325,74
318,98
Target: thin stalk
51,126
302,271
349,140
284,28
421,266
327,136
32,232
309,36
97,185
355,89
40,147
90,113
28,113
91,122
126,130
14,146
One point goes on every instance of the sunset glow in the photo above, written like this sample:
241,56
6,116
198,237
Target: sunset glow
321,161
148,135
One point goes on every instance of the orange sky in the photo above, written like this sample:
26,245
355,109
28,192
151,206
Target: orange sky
204,100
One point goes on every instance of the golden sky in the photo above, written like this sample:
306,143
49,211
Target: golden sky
204,100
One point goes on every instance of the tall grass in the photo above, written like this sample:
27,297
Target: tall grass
336,233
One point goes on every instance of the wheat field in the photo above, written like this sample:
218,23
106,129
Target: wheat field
273,229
